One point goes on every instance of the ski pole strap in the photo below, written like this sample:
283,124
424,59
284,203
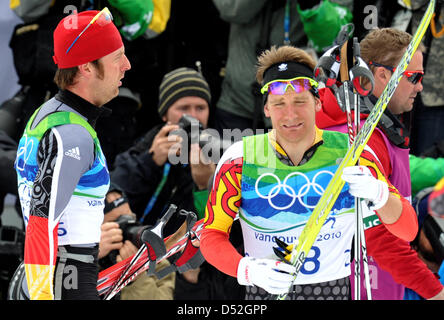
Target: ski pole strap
151,263
189,258
153,238
333,67
360,72
354,69
344,34
165,271
328,67
191,218
192,263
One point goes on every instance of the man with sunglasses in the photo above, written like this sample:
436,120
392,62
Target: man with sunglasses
396,265
62,173
272,182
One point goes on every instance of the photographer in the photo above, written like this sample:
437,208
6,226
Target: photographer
151,182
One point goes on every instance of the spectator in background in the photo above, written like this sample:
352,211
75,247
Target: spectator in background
183,43
428,114
144,172
151,182
436,200
9,83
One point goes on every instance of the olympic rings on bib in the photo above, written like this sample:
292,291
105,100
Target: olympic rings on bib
289,191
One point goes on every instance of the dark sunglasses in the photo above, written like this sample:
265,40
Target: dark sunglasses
413,76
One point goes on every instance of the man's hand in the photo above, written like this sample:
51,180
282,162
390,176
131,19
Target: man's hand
127,250
110,238
363,185
201,168
273,276
115,213
162,143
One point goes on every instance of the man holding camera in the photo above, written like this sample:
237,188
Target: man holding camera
151,179
144,173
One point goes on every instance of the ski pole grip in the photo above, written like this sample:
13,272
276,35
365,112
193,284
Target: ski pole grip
360,73
327,68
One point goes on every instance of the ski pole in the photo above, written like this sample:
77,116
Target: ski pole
361,70
346,79
357,239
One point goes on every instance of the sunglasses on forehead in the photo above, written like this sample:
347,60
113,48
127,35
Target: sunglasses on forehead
102,18
298,84
413,76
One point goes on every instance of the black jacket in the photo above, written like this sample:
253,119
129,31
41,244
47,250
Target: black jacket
138,176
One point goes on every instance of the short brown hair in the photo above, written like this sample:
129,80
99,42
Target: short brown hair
67,77
282,54
385,46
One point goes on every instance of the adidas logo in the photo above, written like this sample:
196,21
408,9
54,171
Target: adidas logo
74,153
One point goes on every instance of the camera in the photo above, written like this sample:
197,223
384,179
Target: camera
131,229
209,141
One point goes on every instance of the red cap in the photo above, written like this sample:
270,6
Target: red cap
99,40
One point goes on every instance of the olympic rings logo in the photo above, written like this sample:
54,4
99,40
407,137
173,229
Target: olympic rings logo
24,152
289,191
